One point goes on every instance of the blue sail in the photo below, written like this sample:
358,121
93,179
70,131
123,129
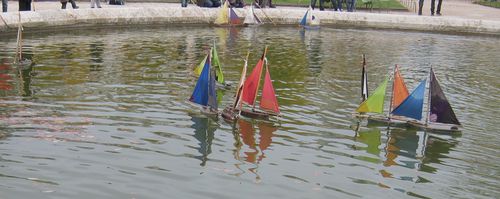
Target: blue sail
212,96
200,93
412,106
304,19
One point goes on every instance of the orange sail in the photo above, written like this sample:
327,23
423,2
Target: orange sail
399,90
251,84
268,100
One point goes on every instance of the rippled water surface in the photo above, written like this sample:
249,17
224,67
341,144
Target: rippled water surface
103,114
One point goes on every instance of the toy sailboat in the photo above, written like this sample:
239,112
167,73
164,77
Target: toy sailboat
227,16
215,64
398,95
251,19
204,93
268,102
230,112
247,94
309,21
440,115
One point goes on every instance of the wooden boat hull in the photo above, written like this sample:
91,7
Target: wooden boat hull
229,113
256,114
448,128
393,120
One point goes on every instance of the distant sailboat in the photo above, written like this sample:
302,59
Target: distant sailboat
204,93
227,16
216,65
440,115
309,21
251,18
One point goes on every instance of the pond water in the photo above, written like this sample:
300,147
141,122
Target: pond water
103,114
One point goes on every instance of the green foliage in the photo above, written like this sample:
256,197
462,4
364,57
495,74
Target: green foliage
377,4
490,3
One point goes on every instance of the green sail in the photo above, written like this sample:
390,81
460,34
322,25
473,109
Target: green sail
375,102
216,64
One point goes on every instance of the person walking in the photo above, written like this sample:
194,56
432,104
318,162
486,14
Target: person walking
438,10
64,2
93,3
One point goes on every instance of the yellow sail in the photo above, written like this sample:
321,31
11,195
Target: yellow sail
223,16
374,103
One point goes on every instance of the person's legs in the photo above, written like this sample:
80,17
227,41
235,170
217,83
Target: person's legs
420,5
313,4
5,3
321,5
432,6
98,2
63,5
339,5
438,10
73,4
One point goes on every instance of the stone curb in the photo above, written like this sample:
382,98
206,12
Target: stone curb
50,19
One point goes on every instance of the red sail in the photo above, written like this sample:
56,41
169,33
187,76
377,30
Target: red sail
252,83
268,100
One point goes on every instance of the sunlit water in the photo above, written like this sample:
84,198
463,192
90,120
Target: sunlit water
103,114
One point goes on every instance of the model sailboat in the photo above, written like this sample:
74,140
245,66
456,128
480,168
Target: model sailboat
309,21
251,18
440,115
215,64
398,95
227,16
230,112
204,92
268,102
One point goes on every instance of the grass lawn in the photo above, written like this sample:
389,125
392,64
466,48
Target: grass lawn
490,3
377,4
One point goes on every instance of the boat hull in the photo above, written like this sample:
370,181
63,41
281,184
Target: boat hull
256,114
229,113
393,120
440,127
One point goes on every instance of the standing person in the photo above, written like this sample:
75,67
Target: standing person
438,11
420,5
5,3
321,4
24,5
350,5
64,2
337,5
94,2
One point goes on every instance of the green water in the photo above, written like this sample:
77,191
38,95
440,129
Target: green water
104,114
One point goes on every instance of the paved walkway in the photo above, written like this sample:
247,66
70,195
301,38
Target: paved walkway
450,8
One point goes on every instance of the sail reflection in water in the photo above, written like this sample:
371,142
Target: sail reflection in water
204,133
247,132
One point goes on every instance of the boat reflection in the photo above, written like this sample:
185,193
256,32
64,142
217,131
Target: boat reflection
247,133
401,147
203,132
